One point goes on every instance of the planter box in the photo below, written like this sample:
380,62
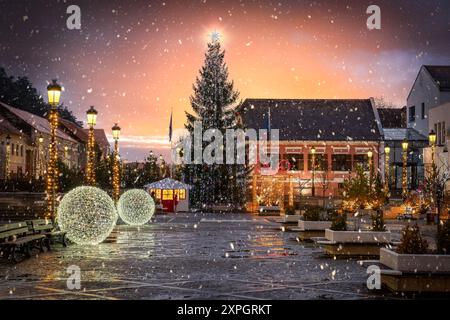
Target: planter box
269,210
415,263
415,272
293,218
354,243
314,225
362,237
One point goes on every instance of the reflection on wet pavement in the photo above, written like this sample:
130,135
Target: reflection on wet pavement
190,256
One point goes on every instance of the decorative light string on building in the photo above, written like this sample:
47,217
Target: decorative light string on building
136,207
87,214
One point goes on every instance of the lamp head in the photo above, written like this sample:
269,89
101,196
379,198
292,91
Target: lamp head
54,93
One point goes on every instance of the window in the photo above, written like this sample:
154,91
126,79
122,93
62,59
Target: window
321,163
12,149
295,161
443,132
412,114
167,195
17,150
361,160
180,193
341,162
156,193
423,111
21,151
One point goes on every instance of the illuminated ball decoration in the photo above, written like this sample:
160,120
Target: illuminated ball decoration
136,207
87,215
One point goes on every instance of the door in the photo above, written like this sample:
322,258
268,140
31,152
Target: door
167,200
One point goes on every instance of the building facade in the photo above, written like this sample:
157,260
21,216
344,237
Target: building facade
431,88
341,133
25,139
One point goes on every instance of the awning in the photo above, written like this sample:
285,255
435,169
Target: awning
167,183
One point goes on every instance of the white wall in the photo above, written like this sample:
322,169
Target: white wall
424,91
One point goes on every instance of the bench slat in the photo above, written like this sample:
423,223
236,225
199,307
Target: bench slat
10,226
10,233
23,240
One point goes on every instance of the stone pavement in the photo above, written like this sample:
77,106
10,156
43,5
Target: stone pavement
190,256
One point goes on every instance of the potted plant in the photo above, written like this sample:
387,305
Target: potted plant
413,266
290,215
339,241
314,222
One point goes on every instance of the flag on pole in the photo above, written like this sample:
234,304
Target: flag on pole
170,126
268,123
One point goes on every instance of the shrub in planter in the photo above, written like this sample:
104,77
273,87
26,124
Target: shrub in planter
412,241
339,223
443,238
312,214
289,210
378,221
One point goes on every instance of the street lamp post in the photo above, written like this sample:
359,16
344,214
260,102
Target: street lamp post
313,170
54,94
432,142
404,169
387,151
116,174
90,166
8,158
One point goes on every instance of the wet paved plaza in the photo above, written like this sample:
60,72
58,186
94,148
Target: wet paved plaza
190,256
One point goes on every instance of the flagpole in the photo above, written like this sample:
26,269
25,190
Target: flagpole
170,140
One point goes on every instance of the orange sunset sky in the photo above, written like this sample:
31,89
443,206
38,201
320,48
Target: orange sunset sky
136,60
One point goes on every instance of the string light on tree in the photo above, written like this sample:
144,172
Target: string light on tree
387,151
87,215
54,94
8,158
405,169
136,207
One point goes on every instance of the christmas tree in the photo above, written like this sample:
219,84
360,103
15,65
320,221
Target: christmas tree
214,103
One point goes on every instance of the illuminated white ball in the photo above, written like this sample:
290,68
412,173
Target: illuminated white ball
87,215
136,207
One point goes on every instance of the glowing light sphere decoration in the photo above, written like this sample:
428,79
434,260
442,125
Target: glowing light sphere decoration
87,215
136,207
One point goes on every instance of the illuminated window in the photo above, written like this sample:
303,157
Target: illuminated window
181,194
167,195
156,193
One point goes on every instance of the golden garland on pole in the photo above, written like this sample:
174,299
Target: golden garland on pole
116,174
52,170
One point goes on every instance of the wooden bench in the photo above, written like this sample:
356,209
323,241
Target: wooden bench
49,229
15,237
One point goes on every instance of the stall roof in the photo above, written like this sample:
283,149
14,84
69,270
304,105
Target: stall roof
167,183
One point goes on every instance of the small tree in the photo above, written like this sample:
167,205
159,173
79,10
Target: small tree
443,238
378,195
356,190
339,222
412,241
378,221
435,188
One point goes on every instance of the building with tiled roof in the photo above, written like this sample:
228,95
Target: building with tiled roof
430,89
27,155
342,132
